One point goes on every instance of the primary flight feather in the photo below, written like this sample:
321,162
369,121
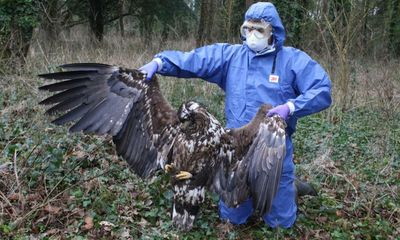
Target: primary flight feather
190,144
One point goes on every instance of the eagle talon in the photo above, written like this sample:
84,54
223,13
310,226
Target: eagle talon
168,168
182,175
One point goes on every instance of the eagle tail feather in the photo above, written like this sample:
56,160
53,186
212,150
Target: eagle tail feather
183,216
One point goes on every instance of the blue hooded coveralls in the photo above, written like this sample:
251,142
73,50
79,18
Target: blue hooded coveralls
244,76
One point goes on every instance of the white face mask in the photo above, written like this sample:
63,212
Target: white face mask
256,44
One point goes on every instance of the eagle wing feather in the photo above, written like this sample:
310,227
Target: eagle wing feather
106,99
265,158
251,162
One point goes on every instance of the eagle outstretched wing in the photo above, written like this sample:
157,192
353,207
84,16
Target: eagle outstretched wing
251,162
148,133
105,99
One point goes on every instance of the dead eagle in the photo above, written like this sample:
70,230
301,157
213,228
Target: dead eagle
190,144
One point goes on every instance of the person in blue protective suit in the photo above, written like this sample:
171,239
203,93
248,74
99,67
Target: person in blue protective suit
261,70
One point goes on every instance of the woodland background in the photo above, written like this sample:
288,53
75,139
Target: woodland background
57,185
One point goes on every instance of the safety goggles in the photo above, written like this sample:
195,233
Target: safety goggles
260,29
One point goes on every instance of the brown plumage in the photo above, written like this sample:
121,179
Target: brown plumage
190,143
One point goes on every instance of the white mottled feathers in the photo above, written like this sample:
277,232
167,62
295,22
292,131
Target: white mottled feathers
148,133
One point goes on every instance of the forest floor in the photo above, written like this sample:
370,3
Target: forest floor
59,185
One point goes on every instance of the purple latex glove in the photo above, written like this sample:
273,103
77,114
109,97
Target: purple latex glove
150,69
282,110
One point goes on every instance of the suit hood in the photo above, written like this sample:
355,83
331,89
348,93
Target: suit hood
268,12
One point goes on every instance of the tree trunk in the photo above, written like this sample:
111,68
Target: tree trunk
364,36
121,18
207,15
96,18
393,27
229,19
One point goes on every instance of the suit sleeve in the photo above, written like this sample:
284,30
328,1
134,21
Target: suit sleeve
312,84
208,62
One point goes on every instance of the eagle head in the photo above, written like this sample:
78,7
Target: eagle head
188,110
196,119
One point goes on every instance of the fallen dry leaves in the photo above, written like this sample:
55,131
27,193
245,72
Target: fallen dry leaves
88,223
52,209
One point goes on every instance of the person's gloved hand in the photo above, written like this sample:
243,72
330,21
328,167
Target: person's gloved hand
282,110
149,69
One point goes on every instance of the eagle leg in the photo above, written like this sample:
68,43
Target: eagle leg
182,175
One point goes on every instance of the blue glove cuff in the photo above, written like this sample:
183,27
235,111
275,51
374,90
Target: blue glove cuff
159,63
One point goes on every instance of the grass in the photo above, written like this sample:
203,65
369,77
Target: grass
54,184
